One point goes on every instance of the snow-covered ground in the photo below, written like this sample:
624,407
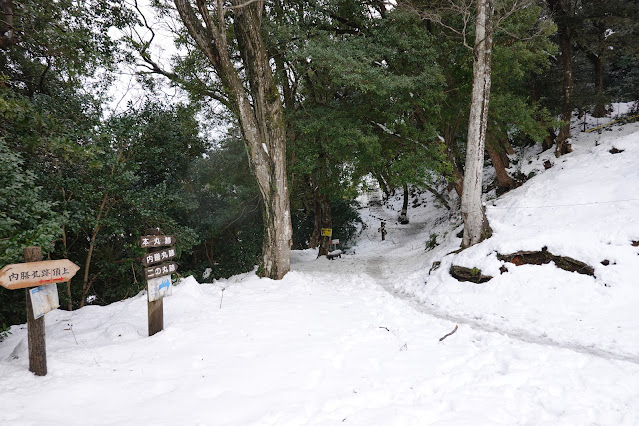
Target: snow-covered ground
356,340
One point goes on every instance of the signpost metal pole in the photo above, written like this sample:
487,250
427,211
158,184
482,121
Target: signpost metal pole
35,327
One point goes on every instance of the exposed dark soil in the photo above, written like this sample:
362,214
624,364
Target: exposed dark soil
544,256
473,275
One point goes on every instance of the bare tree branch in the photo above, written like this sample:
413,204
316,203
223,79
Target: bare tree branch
240,6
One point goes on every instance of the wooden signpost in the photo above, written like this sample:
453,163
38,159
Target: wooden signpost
382,229
157,273
37,273
39,278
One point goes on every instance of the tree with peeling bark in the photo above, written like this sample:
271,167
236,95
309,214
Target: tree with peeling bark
229,35
476,226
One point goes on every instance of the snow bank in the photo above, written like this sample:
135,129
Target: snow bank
584,207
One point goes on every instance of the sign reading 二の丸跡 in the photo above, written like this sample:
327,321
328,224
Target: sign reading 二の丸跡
160,270
33,274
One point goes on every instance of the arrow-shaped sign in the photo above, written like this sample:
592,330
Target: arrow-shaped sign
160,270
158,256
33,274
149,241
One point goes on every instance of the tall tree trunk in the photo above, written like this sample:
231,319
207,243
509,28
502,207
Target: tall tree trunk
449,140
597,63
86,284
476,226
389,183
327,222
382,184
317,222
66,255
500,161
260,116
595,53
549,140
65,250
507,149
403,217
103,212
208,251
562,13
7,32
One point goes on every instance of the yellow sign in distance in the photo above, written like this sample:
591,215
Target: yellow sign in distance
327,232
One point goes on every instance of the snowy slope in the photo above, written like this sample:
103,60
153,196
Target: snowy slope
587,207
356,340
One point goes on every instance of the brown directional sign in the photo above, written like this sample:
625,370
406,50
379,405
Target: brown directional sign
160,270
150,241
33,274
154,257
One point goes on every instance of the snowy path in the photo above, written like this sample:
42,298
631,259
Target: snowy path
524,366
384,269
380,267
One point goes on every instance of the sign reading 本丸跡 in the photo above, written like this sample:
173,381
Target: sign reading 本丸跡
150,241
154,257
33,274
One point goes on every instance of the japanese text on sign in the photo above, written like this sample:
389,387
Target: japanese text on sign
158,256
149,241
160,270
33,274
45,275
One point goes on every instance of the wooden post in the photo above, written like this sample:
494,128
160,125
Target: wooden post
35,327
155,308
382,229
